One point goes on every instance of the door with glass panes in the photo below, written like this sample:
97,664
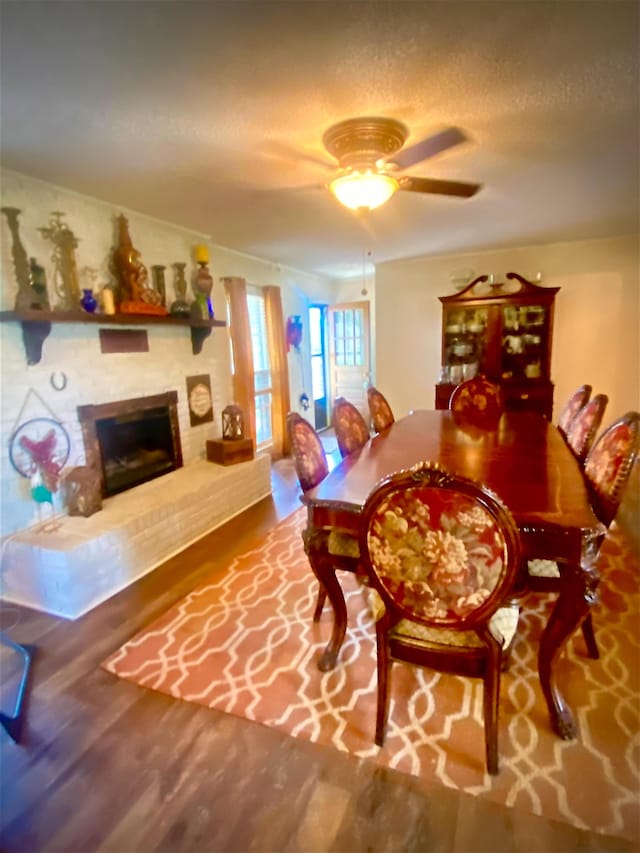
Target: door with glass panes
349,357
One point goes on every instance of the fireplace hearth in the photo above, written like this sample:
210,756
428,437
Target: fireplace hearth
131,441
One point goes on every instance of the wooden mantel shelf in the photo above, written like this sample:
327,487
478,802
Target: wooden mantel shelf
36,326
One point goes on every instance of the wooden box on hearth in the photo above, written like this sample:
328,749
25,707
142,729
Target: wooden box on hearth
227,452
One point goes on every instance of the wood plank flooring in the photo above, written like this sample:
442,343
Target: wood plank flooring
105,765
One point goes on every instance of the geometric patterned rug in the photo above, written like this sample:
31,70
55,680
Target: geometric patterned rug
245,643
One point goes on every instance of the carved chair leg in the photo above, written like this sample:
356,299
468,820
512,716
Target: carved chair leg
491,699
322,597
590,638
384,672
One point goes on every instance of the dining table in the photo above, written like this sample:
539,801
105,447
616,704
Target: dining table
525,460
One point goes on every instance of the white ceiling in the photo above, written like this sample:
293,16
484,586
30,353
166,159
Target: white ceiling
210,115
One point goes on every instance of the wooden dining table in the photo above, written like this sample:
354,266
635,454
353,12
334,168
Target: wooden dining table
525,460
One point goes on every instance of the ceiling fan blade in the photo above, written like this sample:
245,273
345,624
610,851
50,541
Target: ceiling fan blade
437,187
283,151
428,147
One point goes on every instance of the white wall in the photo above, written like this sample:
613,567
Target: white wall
74,350
597,317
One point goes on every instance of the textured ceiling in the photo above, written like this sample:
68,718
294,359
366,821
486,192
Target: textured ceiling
210,115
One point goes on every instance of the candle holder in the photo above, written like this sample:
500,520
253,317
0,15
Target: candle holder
180,307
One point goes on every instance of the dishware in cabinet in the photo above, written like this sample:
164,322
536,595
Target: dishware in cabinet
502,330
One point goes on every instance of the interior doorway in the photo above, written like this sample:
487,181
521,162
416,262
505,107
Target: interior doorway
349,353
318,351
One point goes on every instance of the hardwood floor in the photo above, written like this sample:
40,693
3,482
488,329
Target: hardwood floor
106,765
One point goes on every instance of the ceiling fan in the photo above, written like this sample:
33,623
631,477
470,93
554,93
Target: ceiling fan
370,153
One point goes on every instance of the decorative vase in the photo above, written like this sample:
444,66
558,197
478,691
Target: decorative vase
180,307
203,285
157,271
88,301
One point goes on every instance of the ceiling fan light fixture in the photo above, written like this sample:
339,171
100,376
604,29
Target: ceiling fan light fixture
368,190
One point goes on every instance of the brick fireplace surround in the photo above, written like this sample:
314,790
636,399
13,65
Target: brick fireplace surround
70,565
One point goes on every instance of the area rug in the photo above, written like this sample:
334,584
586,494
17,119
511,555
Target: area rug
245,644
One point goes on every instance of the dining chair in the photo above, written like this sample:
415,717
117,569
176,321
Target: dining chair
607,469
583,428
352,432
379,409
310,462
441,552
477,400
576,401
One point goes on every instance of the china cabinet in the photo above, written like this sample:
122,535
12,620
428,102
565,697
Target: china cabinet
504,331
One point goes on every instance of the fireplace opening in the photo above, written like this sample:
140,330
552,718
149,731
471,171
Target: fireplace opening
135,448
131,441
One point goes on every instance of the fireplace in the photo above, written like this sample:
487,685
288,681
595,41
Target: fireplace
131,441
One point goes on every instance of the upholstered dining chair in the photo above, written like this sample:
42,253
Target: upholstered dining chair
352,432
585,425
310,462
576,401
441,552
478,401
607,469
379,409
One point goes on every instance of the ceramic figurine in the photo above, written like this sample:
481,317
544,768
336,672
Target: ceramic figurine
135,294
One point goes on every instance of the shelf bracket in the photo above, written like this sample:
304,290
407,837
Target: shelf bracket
199,334
34,334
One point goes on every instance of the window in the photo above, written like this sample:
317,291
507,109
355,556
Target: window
316,344
348,335
261,365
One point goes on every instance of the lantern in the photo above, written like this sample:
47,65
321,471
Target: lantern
232,423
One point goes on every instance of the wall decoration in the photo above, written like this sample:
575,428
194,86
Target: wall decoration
123,340
199,398
294,332
58,380
39,449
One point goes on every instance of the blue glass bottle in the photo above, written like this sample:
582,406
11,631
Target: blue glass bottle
88,301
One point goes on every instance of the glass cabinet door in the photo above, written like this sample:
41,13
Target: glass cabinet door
524,342
464,343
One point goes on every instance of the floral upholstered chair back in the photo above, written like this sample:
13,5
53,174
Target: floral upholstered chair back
609,465
478,401
584,427
576,401
439,549
350,427
379,409
309,457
